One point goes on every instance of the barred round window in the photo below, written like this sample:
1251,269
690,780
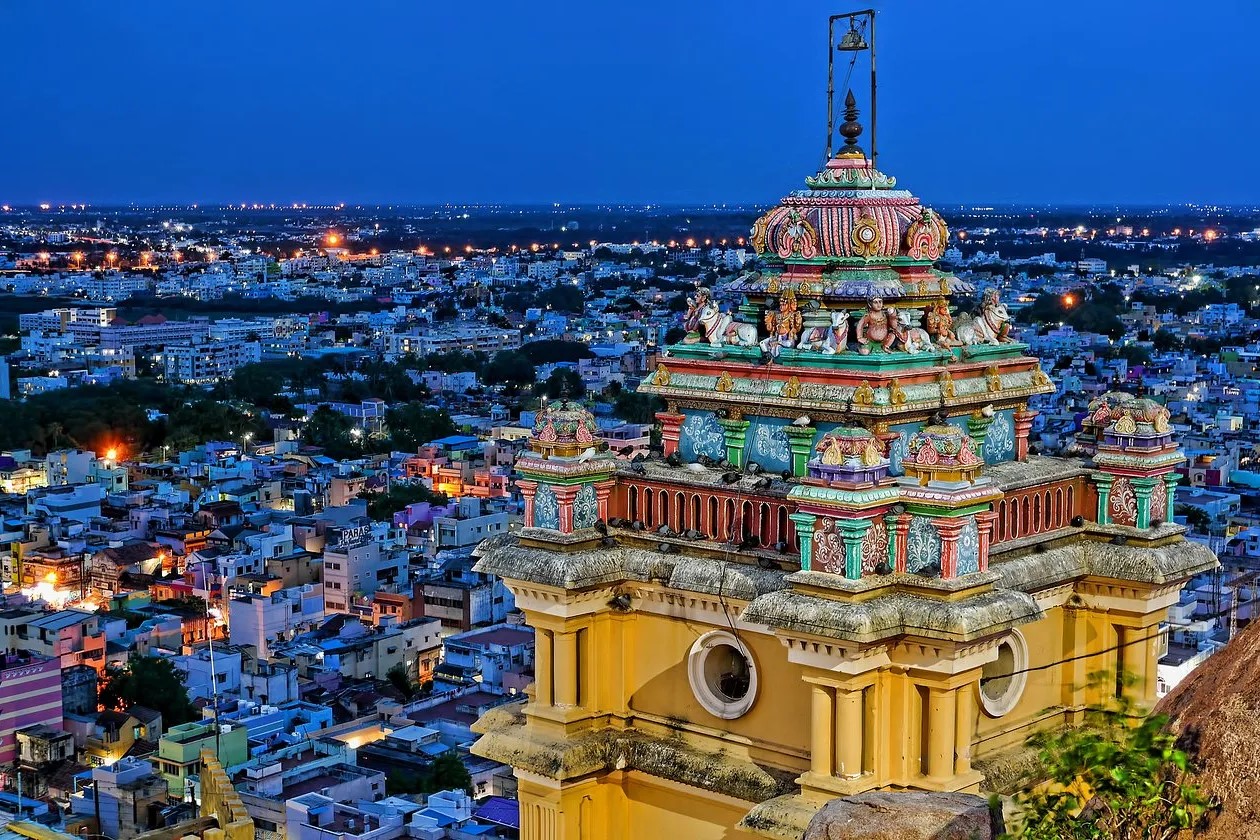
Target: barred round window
722,674
1002,681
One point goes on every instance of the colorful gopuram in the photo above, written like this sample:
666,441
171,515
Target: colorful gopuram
844,571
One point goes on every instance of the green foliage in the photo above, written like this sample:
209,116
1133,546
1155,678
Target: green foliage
1115,777
447,772
550,351
511,368
1196,517
401,680
413,425
1135,354
1165,341
564,297
383,506
149,681
637,408
562,382
1097,314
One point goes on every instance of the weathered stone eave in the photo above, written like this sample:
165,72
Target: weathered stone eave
1160,565
895,614
507,737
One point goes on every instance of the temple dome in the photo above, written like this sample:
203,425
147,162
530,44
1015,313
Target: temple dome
848,445
850,210
1139,415
564,428
942,452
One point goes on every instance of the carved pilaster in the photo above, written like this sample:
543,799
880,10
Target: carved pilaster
735,431
801,442
671,430
949,529
1023,428
804,523
853,532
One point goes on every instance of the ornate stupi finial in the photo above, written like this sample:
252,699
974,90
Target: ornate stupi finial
851,129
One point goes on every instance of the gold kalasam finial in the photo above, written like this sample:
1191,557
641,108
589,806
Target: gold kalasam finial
851,129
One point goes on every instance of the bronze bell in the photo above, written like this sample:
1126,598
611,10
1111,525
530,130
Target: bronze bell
852,41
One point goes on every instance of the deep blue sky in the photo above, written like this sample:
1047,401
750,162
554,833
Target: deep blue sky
683,101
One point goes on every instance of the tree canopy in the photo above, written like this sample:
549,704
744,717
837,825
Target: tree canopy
150,681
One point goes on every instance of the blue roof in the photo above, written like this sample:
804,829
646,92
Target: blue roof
500,810
455,440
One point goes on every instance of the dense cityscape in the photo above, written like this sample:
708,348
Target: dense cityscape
568,521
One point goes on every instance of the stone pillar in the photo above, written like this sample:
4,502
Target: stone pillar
965,714
564,668
1023,428
941,730
822,735
564,497
544,667
801,442
978,427
853,532
850,730
1142,489
985,523
734,431
671,430
804,536
1103,482
898,528
949,529
528,488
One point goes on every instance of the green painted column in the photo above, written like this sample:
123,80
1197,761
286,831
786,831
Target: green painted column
801,442
978,428
1171,480
735,431
1142,489
1103,482
854,532
804,523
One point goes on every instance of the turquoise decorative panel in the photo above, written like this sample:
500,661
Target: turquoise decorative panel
999,442
969,548
899,448
585,507
701,435
546,508
767,444
923,544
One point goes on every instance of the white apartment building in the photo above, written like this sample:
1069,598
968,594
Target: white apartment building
206,363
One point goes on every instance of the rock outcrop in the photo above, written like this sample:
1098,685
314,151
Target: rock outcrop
905,816
1216,713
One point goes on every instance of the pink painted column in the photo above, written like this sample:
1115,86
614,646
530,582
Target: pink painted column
671,430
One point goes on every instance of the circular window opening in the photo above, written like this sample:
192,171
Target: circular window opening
722,674
1002,680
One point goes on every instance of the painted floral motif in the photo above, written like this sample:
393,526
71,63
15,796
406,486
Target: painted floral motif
546,508
923,544
897,452
1123,504
770,447
999,442
828,550
968,548
699,435
1159,501
585,507
875,547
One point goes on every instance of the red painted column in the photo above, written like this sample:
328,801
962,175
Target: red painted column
985,523
949,529
897,533
671,429
528,489
565,495
1023,427
602,491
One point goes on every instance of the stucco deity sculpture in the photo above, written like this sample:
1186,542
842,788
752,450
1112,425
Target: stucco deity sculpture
940,325
691,321
783,324
831,339
875,328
